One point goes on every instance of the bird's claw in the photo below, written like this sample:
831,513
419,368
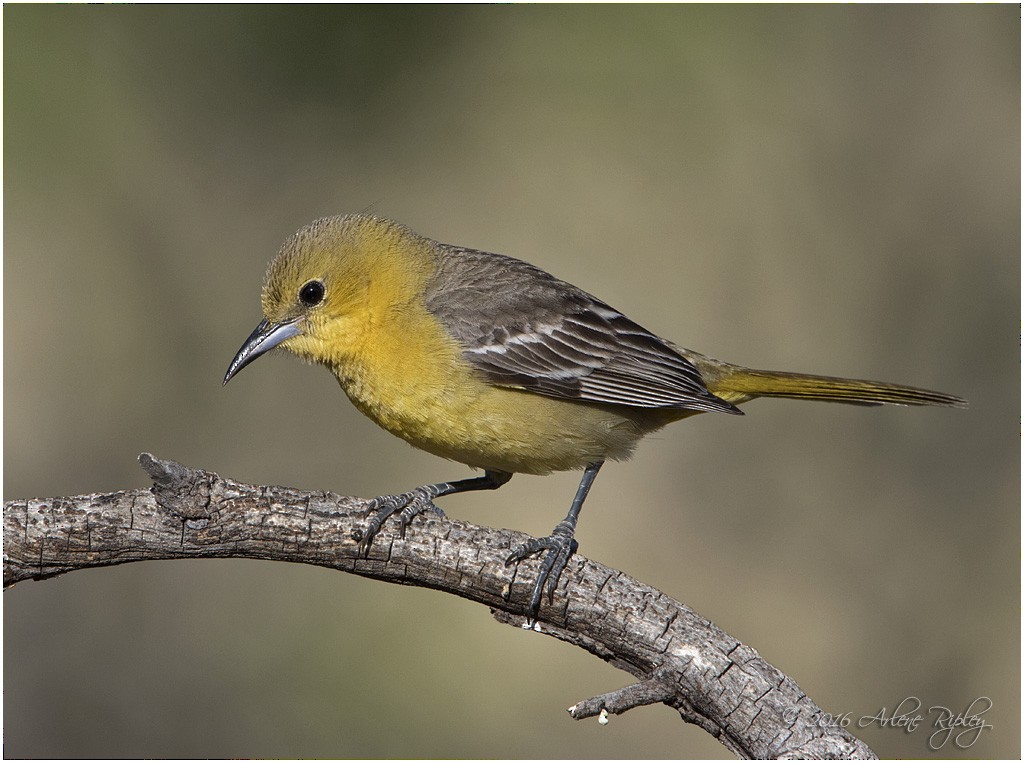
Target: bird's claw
415,507
559,548
406,505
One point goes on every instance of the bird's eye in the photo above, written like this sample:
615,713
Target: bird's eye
311,293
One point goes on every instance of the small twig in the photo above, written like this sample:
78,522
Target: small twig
680,658
654,689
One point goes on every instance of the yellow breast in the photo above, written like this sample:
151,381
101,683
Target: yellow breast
409,377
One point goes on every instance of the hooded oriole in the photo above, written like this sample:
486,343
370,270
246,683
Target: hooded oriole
490,361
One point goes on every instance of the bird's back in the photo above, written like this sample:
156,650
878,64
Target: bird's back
523,328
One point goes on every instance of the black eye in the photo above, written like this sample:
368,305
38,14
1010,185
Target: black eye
311,293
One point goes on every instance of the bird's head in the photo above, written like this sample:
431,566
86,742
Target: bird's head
330,283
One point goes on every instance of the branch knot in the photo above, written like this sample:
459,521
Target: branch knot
179,489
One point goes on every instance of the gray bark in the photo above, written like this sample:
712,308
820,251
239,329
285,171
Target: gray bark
679,657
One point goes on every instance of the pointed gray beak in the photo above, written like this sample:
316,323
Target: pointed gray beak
265,337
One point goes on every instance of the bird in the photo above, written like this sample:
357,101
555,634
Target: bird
490,361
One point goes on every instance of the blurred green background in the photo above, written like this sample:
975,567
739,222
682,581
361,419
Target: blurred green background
829,189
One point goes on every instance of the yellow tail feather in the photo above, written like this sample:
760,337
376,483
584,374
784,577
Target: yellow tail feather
737,384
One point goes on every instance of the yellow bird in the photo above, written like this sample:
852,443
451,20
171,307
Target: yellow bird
490,361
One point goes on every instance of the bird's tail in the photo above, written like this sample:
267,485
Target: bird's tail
737,384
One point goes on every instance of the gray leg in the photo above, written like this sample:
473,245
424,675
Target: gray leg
559,546
418,500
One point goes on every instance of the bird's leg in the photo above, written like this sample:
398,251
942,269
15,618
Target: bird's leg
560,545
418,500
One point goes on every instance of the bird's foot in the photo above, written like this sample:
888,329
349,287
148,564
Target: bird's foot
558,548
407,506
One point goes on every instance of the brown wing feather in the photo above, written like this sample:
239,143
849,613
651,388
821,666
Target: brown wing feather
522,327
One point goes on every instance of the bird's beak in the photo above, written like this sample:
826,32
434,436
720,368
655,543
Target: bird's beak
264,337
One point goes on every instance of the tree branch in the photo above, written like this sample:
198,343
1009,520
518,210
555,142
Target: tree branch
679,657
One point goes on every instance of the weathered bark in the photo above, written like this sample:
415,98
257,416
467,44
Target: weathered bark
679,657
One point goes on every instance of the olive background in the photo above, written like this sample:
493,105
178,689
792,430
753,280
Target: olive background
831,189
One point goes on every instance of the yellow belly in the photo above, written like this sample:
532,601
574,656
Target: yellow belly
441,405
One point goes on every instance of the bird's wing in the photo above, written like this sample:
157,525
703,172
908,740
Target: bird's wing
523,328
